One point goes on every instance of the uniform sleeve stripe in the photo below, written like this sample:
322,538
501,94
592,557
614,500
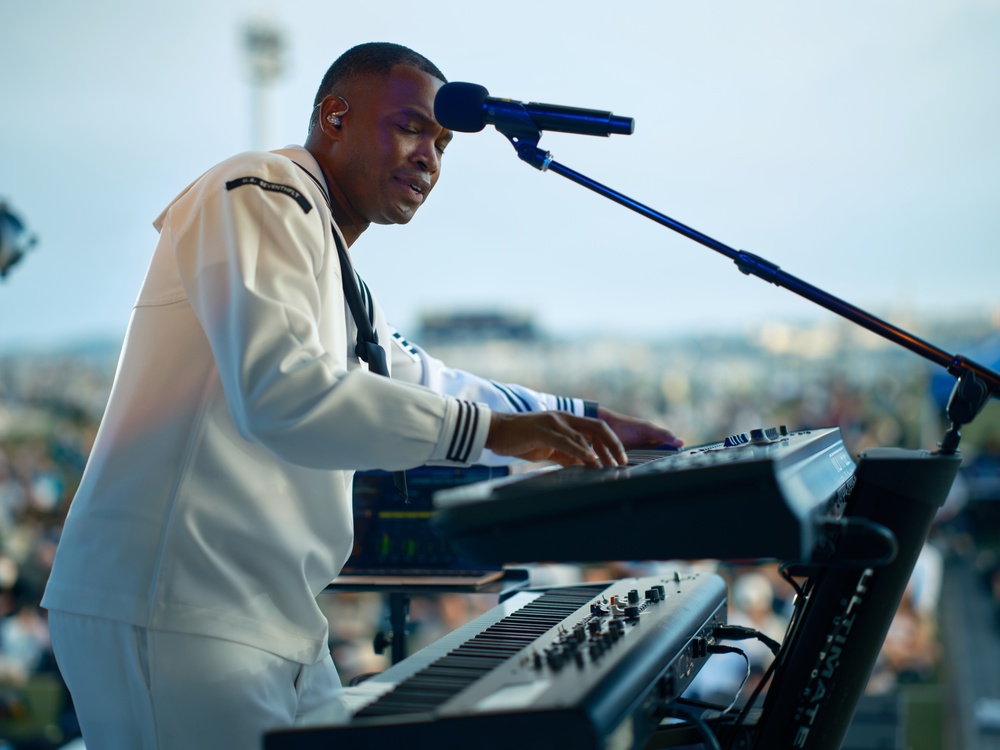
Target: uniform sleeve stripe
454,435
518,402
465,428
471,434
507,396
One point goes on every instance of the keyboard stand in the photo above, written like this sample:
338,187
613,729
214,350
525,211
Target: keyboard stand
399,602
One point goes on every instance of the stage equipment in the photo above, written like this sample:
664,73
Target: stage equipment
468,108
847,602
588,667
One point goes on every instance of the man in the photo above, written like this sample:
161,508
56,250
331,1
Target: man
216,503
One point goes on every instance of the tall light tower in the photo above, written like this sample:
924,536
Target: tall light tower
264,45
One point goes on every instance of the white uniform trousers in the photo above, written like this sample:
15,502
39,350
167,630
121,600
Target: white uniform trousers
139,689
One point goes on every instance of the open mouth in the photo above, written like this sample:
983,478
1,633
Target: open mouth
417,189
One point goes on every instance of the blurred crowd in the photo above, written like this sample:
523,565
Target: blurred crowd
37,477
49,416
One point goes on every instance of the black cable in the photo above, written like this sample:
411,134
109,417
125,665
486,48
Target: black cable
801,599
751,700
719,649
879,530
711,741
843,529
783,572
740,633
695,703
672,710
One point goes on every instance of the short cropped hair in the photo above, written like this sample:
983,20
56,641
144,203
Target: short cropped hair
369,59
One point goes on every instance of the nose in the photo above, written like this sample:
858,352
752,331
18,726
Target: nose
427,156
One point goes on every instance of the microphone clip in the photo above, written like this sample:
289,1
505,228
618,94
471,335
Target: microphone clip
520,129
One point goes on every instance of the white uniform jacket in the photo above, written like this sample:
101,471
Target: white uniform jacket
217,497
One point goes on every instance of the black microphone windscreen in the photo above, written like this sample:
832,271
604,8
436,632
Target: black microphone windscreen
459,106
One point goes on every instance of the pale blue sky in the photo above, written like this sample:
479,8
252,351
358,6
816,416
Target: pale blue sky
855,144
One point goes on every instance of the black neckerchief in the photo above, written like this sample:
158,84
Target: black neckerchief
367,346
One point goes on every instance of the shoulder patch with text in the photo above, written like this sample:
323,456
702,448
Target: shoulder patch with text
274,186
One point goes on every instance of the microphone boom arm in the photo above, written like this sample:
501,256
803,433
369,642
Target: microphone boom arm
976,383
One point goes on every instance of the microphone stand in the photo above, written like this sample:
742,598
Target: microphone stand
975,383
848,605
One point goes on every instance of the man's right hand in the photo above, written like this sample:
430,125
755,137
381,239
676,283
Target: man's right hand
555,436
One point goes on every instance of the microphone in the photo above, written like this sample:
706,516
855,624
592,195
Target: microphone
468,108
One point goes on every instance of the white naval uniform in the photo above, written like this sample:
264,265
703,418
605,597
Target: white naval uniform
217,498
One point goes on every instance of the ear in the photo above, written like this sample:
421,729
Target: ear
332,110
